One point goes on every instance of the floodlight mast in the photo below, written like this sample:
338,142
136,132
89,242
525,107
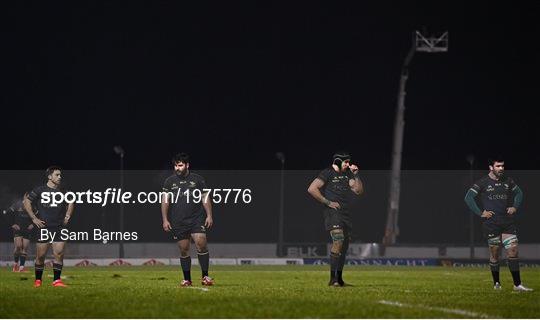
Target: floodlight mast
420,43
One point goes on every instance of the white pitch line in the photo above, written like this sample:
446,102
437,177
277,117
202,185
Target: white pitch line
196,288
460,312
62,277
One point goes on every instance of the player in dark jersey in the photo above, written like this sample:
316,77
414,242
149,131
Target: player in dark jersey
500,198
334,187
52,219
186,211
22,227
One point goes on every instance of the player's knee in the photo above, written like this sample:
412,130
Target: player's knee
494,256
337,246
512,255
40,255
512,252
337,240
200,243
202,247
184,252
58,256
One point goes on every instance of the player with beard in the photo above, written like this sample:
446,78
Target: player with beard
334,187
187,217
500,198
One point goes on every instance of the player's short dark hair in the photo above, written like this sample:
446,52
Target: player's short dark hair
52,169
491,161
181,157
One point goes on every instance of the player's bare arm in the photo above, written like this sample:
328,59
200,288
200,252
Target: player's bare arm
356,184
518,198
28,208
315,191
207,204
69,213
165,198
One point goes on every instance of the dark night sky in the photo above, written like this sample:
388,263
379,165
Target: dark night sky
233,84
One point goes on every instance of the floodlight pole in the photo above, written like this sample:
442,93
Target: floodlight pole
120,151
281,157
420,43
470,160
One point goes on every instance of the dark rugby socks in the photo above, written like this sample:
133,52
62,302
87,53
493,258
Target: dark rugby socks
334,263
204,261
39,270
57,269
22,259
185,262
494,266
342,258
513,265
16,257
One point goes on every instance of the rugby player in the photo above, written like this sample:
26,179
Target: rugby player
187,216
22,227
52,219
500,198
334,187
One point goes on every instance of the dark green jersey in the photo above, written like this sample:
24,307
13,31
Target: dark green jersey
495,195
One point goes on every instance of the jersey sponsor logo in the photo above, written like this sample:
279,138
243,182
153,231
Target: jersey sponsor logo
497,197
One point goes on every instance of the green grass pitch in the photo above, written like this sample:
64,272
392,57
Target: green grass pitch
270,292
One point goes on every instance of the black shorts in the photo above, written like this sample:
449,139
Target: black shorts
57,237
336,219
23,232
184,231
492,229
